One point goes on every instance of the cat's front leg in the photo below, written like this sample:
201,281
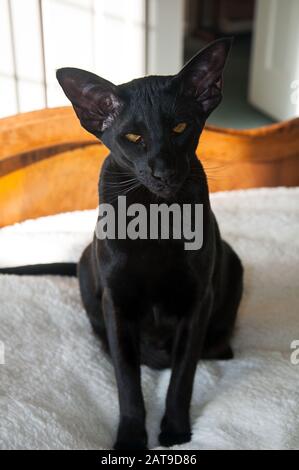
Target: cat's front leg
123,338
189,340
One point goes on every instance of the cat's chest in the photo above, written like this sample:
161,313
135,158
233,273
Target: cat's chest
156,271
168,281
154,274
159,257
163,267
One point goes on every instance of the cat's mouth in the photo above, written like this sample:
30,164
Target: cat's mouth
162,190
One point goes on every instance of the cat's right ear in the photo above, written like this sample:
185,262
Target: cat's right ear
95,100
201,77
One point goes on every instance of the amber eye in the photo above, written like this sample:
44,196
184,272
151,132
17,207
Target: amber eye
135,138
179,128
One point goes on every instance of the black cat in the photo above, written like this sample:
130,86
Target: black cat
151,301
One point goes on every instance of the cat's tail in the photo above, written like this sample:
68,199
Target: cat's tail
58,269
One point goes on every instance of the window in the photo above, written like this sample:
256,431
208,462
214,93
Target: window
108,37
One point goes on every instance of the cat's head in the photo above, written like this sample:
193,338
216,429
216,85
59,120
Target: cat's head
152,124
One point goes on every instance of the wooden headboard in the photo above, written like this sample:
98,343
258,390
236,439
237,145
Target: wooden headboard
49,164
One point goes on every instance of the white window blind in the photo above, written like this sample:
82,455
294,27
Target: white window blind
117,39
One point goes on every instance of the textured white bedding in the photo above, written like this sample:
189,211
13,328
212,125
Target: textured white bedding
57,388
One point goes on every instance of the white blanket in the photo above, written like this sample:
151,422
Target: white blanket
57,387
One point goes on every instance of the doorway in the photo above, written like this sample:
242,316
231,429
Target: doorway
206,20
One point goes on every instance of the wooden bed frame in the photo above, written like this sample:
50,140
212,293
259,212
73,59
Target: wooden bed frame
49,164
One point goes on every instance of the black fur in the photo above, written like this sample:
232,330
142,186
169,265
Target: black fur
61,269
150,301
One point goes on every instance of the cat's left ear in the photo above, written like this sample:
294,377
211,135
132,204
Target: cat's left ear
201,77
95,100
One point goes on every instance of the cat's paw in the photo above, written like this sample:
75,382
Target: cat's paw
169,438
175,430
131,435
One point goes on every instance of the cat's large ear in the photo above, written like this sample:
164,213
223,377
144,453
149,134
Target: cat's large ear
201,77
95,100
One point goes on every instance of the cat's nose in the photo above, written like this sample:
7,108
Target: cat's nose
165,176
